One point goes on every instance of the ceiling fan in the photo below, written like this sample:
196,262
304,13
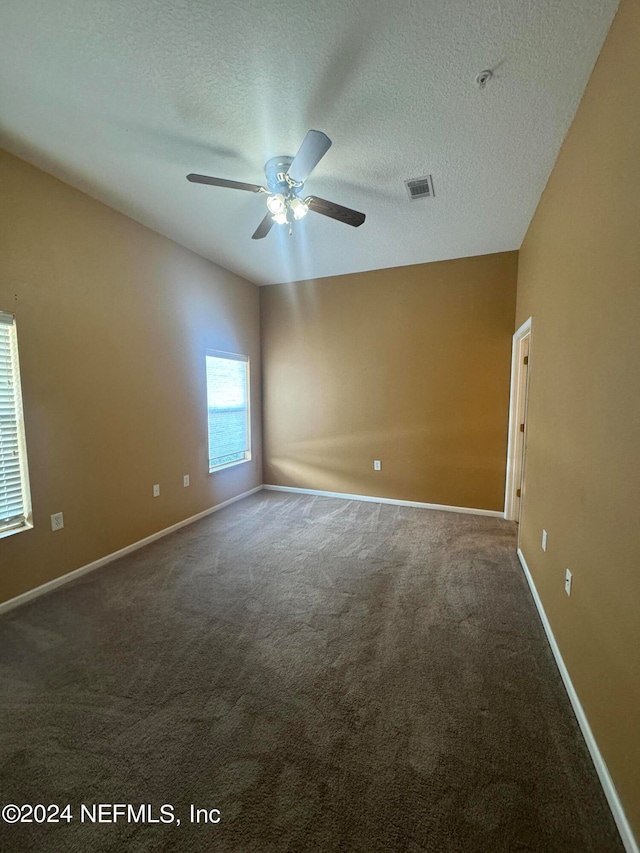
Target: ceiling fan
285,183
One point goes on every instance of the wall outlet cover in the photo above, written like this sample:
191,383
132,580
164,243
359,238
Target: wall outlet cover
156,490
376,465
185,480
568,577
57,521
544,540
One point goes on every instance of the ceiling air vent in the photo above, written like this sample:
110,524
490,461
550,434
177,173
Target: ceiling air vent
420,187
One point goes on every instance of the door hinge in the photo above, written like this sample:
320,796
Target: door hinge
517,493
521,427
526,359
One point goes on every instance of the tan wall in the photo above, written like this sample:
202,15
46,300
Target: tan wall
113,322
407,365
579,277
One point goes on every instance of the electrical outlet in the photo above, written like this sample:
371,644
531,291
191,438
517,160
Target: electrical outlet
57,521
156,490
376,465
544,540
567,582
185,480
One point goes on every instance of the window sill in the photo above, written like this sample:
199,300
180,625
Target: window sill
229,465
10,531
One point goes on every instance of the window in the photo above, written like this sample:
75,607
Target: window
15,503
228,409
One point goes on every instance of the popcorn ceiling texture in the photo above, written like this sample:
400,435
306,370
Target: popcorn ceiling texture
123,99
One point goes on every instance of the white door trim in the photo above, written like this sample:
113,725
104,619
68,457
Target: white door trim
517,402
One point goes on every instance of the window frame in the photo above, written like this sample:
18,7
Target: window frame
230,356
26,523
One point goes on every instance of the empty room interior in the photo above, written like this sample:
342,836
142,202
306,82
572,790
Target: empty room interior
320,426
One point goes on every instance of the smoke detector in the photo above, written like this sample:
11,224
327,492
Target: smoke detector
483,78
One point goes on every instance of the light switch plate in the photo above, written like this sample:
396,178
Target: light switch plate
57,521
156,490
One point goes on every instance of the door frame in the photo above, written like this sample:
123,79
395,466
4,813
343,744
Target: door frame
517,409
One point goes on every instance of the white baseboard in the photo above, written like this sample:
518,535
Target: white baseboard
90,567
630,844
5,606
442,507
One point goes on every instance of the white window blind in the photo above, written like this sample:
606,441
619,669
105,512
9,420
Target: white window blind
14,486
228,409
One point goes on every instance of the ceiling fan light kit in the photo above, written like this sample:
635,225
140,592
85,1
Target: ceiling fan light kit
285,182
276,203
298,207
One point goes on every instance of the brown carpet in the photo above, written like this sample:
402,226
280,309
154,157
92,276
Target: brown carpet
331,675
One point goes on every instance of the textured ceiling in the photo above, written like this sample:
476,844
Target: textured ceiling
123,98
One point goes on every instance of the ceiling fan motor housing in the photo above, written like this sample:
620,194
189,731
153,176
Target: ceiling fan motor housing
276,171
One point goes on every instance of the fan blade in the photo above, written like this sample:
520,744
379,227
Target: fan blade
335,211
314,146
222,182
263,229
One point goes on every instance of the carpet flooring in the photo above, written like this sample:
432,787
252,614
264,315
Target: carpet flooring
329,675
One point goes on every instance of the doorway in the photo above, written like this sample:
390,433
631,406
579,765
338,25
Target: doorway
516,449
